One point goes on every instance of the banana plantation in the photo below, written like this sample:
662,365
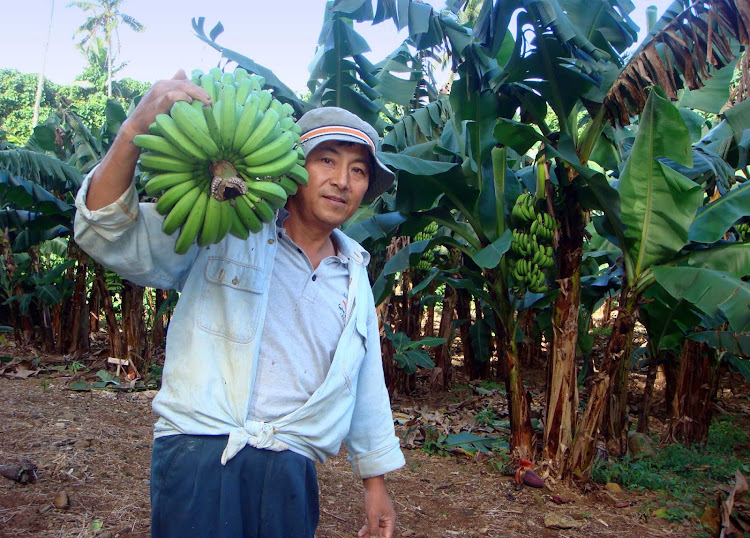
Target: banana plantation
571,202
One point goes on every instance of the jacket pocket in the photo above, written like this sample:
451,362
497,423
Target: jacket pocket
231,300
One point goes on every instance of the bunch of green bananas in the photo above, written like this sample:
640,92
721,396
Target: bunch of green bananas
223,168
531,249
427,260
743,230
523,211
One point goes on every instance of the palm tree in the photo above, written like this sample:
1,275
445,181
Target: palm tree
40,79
105,18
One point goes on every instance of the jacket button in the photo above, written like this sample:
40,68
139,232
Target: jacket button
271,241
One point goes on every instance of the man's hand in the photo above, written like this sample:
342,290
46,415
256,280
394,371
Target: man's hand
379,513
160,98
114,174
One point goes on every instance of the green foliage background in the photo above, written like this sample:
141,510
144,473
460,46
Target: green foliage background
87,98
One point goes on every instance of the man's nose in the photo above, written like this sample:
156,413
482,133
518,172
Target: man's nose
341,178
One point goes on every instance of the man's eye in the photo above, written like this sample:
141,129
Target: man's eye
326,160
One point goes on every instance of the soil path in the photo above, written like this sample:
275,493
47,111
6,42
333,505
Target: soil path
94,447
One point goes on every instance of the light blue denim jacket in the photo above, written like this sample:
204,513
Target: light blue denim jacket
213,340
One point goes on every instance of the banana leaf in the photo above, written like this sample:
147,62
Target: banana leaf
714,219
49,172
666,319
689,43
714,95
658,204
712,292
281,90
732,258
734,343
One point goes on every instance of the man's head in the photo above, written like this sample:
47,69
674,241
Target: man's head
334,123
340,160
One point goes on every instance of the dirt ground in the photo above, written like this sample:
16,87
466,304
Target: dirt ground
92,451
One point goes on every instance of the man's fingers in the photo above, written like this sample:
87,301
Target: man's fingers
180,75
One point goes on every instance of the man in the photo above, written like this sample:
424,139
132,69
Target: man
273,354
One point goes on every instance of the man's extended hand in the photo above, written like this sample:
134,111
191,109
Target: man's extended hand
160,98
379,513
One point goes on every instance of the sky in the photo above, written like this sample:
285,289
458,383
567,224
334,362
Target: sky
280,35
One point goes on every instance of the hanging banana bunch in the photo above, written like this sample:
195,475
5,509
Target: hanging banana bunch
743,232
531,250
427,261
225,168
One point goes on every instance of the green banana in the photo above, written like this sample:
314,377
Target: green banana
207,83
288,184
211,126
274,168
244,87
164,163
172,132
272,151
237,227
287,109
163,181
246,122
227,79
286,123
225,220
262,209
240,74
210,228
192,225
261,80
299,174
179,212
228,116
274,194
245,211
265,99
159,144
192,129
195,111
264,128
171,196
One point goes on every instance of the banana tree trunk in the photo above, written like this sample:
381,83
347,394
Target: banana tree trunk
587,433
696,389
562,386
648,397
463,312
530,348
519,410
76,318
617,426
113,329
443,372
521,432
133,327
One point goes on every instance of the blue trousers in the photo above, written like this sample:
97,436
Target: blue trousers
257,494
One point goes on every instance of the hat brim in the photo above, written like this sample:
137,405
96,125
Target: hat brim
382,178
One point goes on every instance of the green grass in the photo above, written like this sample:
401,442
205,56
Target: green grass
685,478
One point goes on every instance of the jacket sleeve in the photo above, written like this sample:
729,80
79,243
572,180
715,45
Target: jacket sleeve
372,444
126,237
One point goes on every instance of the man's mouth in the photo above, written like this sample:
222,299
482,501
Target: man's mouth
334,198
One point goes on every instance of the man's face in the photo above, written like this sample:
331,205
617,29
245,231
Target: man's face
339,176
